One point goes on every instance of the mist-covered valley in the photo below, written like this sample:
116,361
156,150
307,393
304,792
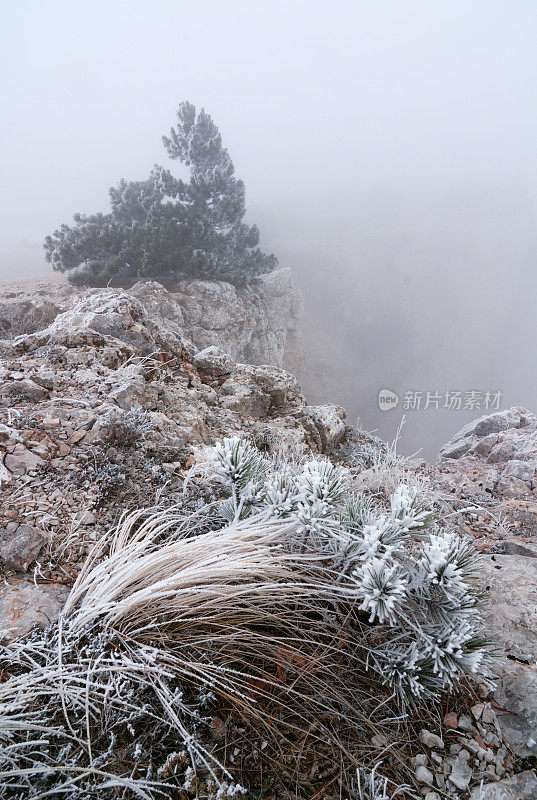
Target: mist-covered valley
419,290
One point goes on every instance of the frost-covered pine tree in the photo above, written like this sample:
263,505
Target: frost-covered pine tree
165,228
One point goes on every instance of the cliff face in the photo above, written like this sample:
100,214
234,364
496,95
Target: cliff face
256,324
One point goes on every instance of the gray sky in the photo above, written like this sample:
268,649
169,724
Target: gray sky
388,150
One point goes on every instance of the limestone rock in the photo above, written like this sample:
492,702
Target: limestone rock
325,425
214,361
245,398
424,775
253,324
507,440
108,316
520,787
431,740
516,694
22,315
21,460
159,304
24,606
511,583
23,390
461,771
18,549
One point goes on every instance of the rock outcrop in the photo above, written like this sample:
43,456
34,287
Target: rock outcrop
101,410
507,440
256,324
490,468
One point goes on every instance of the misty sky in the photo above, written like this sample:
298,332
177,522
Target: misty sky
389,151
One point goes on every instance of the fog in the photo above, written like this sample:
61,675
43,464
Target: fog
388,150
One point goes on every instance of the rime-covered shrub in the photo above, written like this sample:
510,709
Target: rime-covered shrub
125,429
404,572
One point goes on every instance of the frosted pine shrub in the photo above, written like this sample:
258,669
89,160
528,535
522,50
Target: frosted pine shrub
304,616
414,579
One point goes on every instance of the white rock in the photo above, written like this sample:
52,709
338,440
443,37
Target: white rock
461,772
431,740
424,775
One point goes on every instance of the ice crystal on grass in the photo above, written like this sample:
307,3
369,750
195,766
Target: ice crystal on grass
371,786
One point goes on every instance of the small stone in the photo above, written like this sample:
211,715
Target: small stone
85,518
455,748
436,757
45,378
481,742
500,770
431,740
25,389
64,449
465,724
78,436
213,360
219,727
461,774
24,606
432,796
420,760
378,741
472,746
451,720
477,710
21,460
488,715
170,467
424,775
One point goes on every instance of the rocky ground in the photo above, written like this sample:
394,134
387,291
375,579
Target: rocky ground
104,396
100,411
